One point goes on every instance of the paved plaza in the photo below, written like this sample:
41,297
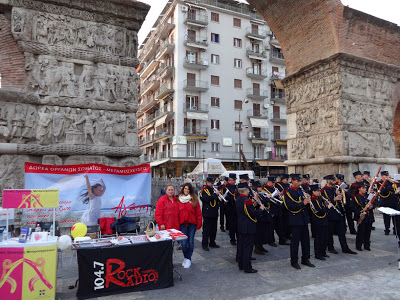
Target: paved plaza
215,275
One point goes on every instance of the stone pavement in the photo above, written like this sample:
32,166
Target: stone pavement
215,275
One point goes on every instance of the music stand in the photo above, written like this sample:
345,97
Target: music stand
392,212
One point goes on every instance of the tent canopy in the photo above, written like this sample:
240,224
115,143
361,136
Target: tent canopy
211,166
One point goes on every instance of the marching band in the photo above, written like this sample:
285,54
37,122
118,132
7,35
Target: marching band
254,212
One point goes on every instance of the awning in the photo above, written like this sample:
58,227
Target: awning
278,84
281,142
197,116
259,142
162,139
196,137
260,123
265,163
159,162
257,57
276,45
160,121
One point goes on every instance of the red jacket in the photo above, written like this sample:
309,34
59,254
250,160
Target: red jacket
167,213
190,214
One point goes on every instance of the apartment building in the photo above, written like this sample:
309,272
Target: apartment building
209,85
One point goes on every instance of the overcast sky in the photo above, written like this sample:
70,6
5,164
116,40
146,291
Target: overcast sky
384,9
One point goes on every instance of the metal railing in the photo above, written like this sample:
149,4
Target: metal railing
164,44
195,130
163,110
195,83
196,107
256,31
165,86
256,71
196,39
162,133
278,135
277,54
278,115
258,52
257,113
192,16
148,82
199,61
278,94
256,92
258,135
146,102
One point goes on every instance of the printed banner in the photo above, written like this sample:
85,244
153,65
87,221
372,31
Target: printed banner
115,269
90,191
30,198
6,214
28,273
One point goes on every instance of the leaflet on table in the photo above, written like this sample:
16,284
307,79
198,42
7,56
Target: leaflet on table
120,240
23,236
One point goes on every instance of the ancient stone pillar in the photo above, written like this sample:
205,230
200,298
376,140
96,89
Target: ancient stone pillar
340,116
70,95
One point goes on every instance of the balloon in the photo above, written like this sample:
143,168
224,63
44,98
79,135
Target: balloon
64,242
78,230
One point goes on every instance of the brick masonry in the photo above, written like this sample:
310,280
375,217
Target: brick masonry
11,57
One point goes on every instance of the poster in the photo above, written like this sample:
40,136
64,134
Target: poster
28,273
30,198
115,192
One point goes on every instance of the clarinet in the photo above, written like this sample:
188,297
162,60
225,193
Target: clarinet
272,199
220,197
311,204
334,207
258,200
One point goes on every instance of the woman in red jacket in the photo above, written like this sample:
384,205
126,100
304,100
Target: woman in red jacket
167,210
190,219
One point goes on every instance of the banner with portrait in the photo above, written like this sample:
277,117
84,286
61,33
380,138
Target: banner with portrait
88,192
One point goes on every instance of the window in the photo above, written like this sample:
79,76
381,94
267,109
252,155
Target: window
256,110
214,147
192,102
238,126
237,63
215,37
214,124
214,80
238,104
237,148
214,17
191,149
254,29
215,59
257,151
191,57
237,83
276,112
191,79
215,101
237,42
255,47
191,35
237,22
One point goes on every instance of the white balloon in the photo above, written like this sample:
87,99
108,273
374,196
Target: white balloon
64,242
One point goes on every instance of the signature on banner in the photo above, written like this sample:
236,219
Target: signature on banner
122,209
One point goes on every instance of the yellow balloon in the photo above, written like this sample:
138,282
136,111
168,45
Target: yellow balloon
78,230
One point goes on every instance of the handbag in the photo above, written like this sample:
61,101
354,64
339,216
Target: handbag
150,232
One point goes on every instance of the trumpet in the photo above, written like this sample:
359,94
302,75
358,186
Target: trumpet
308,197
334,207
258,200
220,196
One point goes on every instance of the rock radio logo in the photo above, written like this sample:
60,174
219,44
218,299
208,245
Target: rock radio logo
37,266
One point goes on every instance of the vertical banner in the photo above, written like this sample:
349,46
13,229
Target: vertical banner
88,192
28,273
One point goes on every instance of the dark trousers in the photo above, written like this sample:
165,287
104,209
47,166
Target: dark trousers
386,221
244,249
364,235
209,231
320,240
285,229
231,224
313,229
279,226
299,235
222,216
339,228
349,219
396,221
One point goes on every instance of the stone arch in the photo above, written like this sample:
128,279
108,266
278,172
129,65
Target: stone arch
343,69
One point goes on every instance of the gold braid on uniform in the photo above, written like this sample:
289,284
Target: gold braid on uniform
247,213
208,193
269,204
315,213
363,208
327,197
234,195
294,212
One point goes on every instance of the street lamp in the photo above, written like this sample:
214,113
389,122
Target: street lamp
204,157
240,137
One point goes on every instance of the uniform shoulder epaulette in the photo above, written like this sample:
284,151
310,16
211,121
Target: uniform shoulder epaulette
248,202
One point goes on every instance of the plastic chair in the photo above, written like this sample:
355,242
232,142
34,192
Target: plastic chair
94,229
127,228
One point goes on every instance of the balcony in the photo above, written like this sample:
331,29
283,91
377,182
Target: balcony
256,73
278,136
256,94
255,33
148,103
164,30
165,110
165,70
166,47
257,136
149,67
278,97
256,53
196,41
278,117
146,140
165,132
195,131
196,19
192,85
147,120
151,84
196,108
195,64
277,57
165,89
255,113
